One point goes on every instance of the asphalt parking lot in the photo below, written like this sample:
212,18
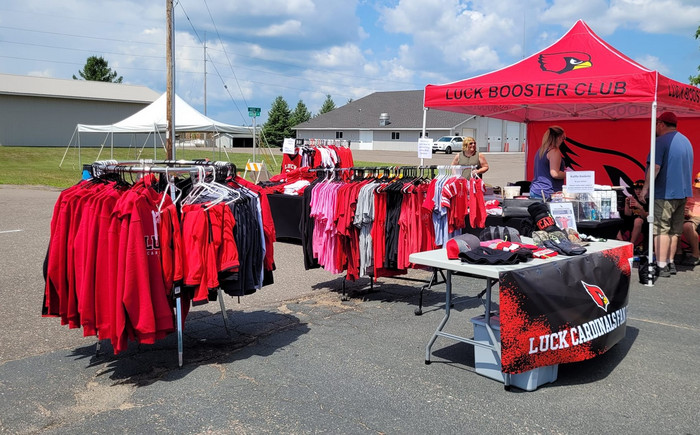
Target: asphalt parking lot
299,359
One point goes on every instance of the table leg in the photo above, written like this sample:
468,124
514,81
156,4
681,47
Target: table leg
448,302
489,330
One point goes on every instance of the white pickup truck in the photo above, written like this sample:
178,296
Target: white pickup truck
447,144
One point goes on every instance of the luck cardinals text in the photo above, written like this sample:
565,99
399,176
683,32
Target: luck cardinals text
580,334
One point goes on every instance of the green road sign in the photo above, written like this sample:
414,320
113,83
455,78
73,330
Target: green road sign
253,111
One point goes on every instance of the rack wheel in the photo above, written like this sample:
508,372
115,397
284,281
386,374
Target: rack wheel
427,362
418,312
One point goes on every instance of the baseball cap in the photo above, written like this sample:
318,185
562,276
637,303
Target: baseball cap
697,180
638,184
668,118
461,244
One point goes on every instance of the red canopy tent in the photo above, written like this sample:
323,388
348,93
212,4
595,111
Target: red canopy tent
579,80
578,77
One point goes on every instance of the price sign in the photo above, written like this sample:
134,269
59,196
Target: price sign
288,145
425,148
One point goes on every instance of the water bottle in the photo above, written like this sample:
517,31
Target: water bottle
594,214
605,208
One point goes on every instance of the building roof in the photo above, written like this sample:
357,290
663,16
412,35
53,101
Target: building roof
74,89
405,110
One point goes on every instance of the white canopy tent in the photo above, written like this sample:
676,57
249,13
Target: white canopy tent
152,120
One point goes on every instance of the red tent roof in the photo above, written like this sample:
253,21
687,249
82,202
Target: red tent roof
578,77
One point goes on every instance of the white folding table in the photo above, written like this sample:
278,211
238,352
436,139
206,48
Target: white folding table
490,273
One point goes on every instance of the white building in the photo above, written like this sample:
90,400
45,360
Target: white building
394,121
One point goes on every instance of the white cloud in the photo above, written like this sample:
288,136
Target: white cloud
289,27
309,48
345,56
653,63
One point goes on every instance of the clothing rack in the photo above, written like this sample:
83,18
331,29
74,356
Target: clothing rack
391,172
171,167
321,142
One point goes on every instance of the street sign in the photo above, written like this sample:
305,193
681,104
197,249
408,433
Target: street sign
253,111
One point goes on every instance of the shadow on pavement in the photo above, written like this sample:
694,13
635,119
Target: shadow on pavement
205,342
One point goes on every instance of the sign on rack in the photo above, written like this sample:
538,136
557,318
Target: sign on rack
425,148
288,145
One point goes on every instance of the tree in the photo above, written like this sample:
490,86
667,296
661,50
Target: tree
277,126
301,114
97,69
695,80
327,106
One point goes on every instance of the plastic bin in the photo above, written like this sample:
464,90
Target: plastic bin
487,363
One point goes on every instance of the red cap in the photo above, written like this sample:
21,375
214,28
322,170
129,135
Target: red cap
668,118
460,244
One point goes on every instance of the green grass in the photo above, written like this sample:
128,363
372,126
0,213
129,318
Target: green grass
38,166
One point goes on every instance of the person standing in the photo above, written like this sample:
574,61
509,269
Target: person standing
692,224
634,218
673,173
471,157
549,165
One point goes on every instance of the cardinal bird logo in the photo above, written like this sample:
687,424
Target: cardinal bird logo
622,169
597,295
561,63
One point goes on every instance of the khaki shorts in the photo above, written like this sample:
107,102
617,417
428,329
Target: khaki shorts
669,216
695,220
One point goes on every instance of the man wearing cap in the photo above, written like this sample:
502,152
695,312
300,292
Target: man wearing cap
692,224
673,173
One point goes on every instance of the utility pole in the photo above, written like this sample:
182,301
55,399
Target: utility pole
170,85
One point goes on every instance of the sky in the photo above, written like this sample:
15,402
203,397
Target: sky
304,50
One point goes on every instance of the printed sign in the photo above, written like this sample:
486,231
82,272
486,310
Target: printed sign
425,148
580,181
288,145
563,214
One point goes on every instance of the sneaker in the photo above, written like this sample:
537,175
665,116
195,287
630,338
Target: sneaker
672,268
690,261
665,272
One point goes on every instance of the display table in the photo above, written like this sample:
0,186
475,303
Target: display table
557,310
286,214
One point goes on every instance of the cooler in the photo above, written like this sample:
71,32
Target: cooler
487,363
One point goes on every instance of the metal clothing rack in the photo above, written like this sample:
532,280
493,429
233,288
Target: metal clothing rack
171,167
391,172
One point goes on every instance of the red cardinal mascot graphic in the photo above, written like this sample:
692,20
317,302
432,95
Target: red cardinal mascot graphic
597,295
561,63
620,167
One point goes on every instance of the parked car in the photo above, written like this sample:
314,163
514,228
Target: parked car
447,144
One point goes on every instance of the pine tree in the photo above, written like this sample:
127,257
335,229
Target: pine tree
301,114
277,126
327,106
695,80
97,69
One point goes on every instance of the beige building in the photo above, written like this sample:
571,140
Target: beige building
40,111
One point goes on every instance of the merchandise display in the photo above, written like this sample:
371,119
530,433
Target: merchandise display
124,256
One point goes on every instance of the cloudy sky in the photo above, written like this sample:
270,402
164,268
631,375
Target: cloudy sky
307,49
